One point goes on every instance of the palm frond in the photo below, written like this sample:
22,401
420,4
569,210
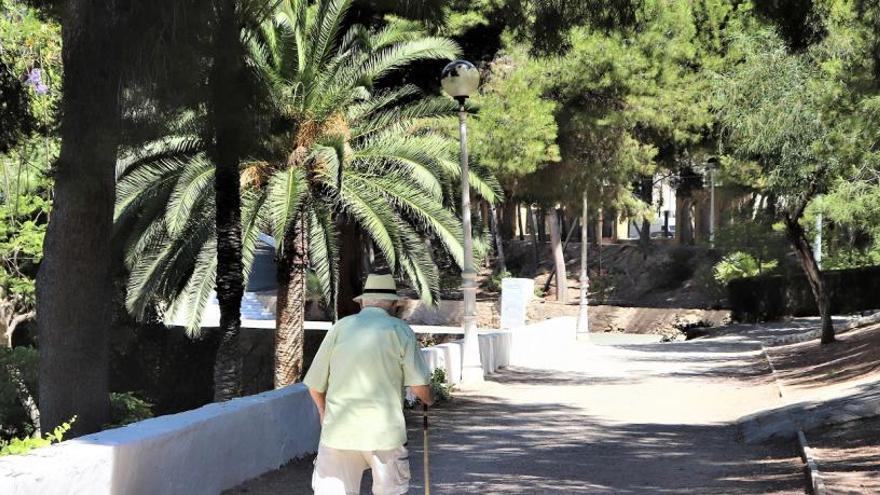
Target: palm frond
324,254
287,190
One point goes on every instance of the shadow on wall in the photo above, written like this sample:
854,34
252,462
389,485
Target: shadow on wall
175,372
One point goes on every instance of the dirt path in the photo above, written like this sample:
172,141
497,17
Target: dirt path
646,419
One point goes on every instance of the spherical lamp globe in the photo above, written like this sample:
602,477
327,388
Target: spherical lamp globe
460,79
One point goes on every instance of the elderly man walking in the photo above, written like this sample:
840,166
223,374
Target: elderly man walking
357,380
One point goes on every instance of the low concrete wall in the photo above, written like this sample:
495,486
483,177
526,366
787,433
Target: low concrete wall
202,451
219,446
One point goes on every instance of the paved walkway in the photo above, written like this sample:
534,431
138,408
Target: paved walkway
639,419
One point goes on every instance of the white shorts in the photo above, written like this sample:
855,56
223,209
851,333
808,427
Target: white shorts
339,472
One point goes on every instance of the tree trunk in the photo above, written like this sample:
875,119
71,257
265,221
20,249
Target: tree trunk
519,222
646,190
228,109
508,216
683,229
24,397
74,284
558,256
564,247
499,241
798,238
541,220
531,215
290,308
351,267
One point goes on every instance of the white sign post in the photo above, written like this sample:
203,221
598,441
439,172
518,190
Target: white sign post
515,296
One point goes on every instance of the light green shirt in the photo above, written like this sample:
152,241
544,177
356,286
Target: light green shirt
362,365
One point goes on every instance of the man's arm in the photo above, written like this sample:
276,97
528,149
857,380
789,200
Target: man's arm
320,399
424,393
416,373
318,377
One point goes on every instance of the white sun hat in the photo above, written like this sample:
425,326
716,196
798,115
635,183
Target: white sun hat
379,287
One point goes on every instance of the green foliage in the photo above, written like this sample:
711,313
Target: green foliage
764,242
439,386
14,419
18,446
340,144
772,107
126,407
29,41
739,265
514,131
22,228
496,279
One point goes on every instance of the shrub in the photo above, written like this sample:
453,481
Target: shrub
676,270
494,283
13,416
19,446
739,265
126,407
442,390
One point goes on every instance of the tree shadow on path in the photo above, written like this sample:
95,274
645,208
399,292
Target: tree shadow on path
481,444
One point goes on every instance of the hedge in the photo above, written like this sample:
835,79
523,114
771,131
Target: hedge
772,297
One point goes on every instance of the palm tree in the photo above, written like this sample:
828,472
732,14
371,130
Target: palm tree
339,146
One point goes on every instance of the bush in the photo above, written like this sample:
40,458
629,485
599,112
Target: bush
442,390
494,283
770,297
126,407
739,265
676,270
14,419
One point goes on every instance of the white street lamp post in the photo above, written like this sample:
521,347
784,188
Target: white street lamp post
817,248
460,79
712,164
583,324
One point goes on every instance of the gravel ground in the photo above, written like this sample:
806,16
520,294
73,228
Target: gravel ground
640,419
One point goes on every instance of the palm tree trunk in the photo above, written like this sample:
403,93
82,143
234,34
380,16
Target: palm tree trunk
74,284
290,308
228,109
801,244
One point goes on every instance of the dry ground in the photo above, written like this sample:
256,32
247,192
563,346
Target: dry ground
848,455
811,369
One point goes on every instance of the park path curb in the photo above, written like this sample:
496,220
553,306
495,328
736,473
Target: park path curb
811,467
817,333
814,477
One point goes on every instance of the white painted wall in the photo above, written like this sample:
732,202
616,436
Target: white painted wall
202,451
219,446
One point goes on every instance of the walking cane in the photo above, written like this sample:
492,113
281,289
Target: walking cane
425,449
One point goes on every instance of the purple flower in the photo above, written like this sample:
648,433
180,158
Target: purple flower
35,79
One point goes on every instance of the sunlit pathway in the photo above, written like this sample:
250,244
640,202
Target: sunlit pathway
638,419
